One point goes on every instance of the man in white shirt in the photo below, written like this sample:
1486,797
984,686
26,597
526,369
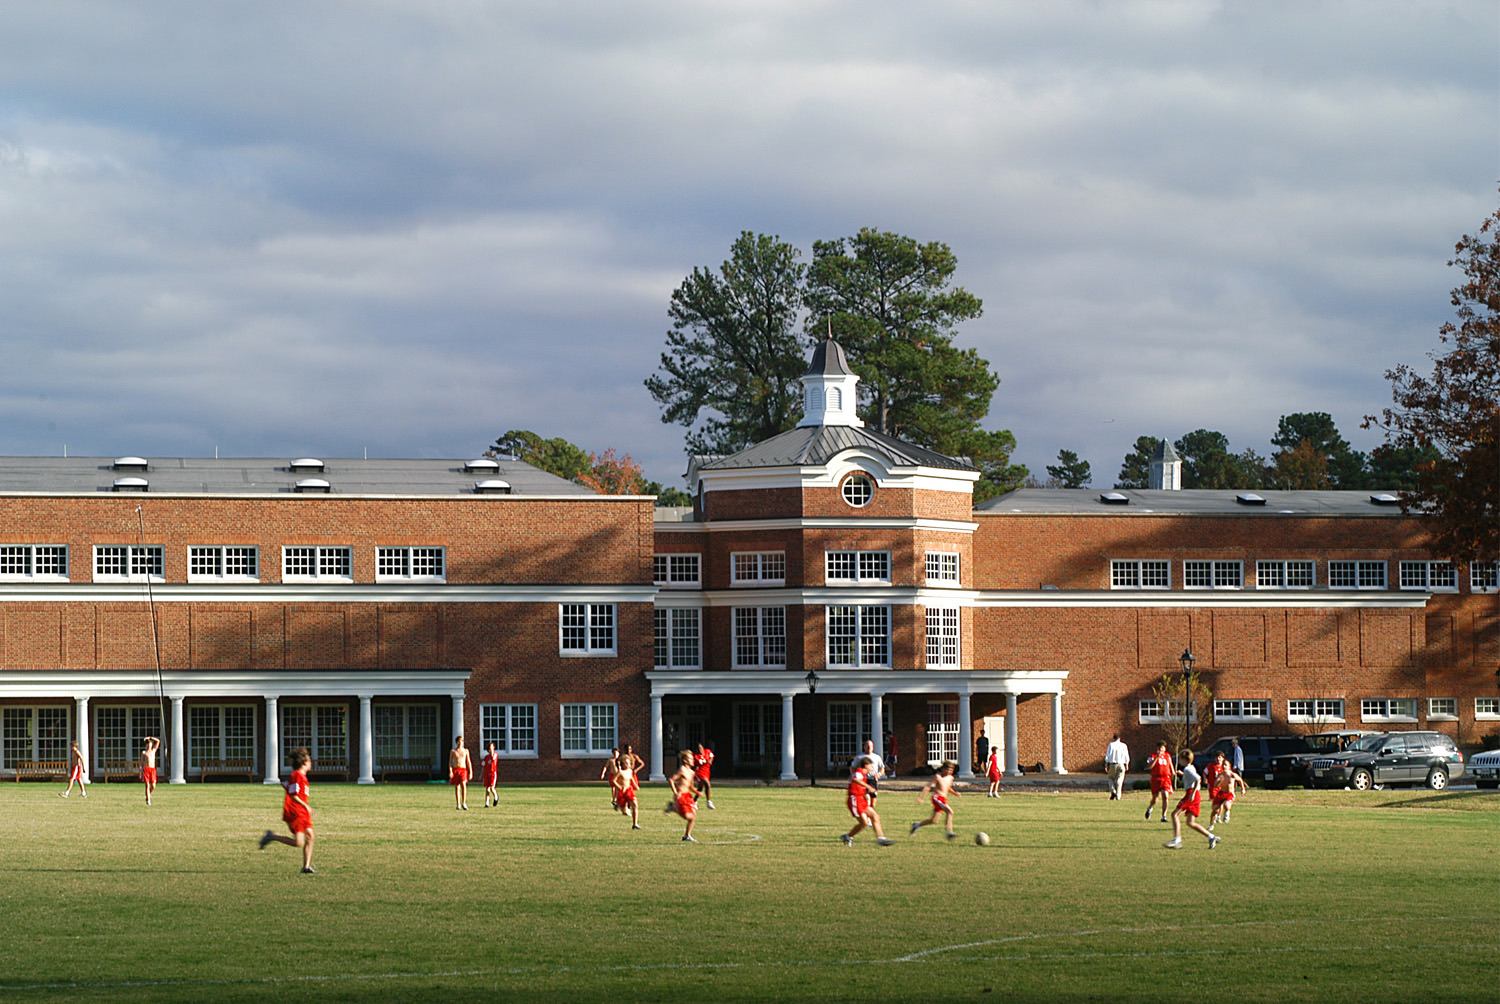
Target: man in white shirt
875,767
1116,763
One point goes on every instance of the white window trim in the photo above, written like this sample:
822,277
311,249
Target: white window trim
1161,715
760,564
1284,562
1213,573
671,619
1317,719
1387,717
1442,716
695,582
536,728
958,632
1426,584
941,581
408,576
760,635
593,752
1138,563
859,636
858,579
317,559
844,489
588,651
1474,567
130,549
1385,573
222,576
1486,716
34,575
1242,701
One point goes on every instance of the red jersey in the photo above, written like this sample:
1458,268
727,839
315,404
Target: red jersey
296,787
703,763
1160,764
857,783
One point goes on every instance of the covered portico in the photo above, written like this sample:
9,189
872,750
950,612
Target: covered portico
873,685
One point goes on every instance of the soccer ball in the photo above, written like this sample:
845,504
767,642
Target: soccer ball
982,839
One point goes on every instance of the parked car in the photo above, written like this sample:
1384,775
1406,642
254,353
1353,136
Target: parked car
1291,768
1486,768
1390,758
1258,750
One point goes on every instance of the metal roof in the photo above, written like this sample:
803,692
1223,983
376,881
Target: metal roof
255,476
1190,502
828,359
818,444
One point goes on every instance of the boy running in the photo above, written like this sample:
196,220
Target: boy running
1162,775
940,786
1190,806
460,765
148,765
77,771
683,801
1221,790
607,773
858,802
490,764
702,764
627,791
296,812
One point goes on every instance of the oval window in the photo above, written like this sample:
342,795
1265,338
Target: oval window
858,490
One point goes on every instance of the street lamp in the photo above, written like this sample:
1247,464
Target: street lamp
1187,660
812,688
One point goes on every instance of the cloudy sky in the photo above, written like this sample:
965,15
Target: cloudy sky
286,229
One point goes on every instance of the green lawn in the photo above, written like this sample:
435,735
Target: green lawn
1326,896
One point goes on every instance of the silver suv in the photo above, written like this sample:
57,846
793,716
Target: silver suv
1390,758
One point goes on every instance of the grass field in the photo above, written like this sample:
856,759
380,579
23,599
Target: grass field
1326,896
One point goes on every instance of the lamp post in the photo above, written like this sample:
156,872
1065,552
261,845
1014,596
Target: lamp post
1187,660
812,688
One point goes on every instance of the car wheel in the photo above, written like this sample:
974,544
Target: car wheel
1361,781
1437,779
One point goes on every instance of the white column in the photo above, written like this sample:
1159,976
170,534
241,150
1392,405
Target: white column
788,743
1012,756
366,741
179,759
1057,761
81,728
965,737
656,740
877,723
273,742
458,716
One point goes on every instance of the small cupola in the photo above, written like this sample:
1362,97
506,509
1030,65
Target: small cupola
1166,469
829,389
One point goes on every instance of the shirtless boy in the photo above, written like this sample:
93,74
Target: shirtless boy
683,802
627,791
1162,776
296,812
941,787
460,765
858,802
148,765
1221,789
77,772
607,773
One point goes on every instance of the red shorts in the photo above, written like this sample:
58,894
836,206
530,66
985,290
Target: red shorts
701,774
1161,785
148,775
1191,803
76,774
298,819
1222,797
686,807
939,803
491,775
460,775
995,774
858,806
625,797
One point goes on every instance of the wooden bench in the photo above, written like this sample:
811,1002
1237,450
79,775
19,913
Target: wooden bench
328,768
42,770
115,769
406,765
226,768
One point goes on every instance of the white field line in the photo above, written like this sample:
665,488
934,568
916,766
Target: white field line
799,964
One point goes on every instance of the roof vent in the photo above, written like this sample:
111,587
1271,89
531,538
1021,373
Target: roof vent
1249,498
311,485
130,464
1384,498
480,466
492,487
129,485
1114,498
306,464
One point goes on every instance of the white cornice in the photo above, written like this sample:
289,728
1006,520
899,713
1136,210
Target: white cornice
829,475
275,592
1185,598
100,685
818,596
864,682
287,496
823,523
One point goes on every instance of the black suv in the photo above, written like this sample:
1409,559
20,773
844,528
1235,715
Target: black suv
1258,750
1390,758
1291,768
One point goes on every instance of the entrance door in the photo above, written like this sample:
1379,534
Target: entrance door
683,726
994,731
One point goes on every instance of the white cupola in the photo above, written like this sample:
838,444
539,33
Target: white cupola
1166,468
829,393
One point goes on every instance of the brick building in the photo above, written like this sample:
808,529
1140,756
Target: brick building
372,610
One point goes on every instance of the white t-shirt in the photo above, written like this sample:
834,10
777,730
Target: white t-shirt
1190,779
877,765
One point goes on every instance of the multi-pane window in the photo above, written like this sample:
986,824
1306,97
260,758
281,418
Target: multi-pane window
325,564
942,636
511,727
588,729
857,566
1442,707
135,562
848,727
423,564
587,628
677,638
858,490
321,729
1151,711
32,562
758,567
1242,711
942,568
859,636
1388,709
942,731
675,569
1213,574
406,732
208,563
33,734
759,636
1434,576
218,733
1315,710
120,733
1484,576
1145,574
1284,574
1356,575
1487,708
757,732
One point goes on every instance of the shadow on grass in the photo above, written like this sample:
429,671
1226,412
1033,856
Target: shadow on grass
1446,799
